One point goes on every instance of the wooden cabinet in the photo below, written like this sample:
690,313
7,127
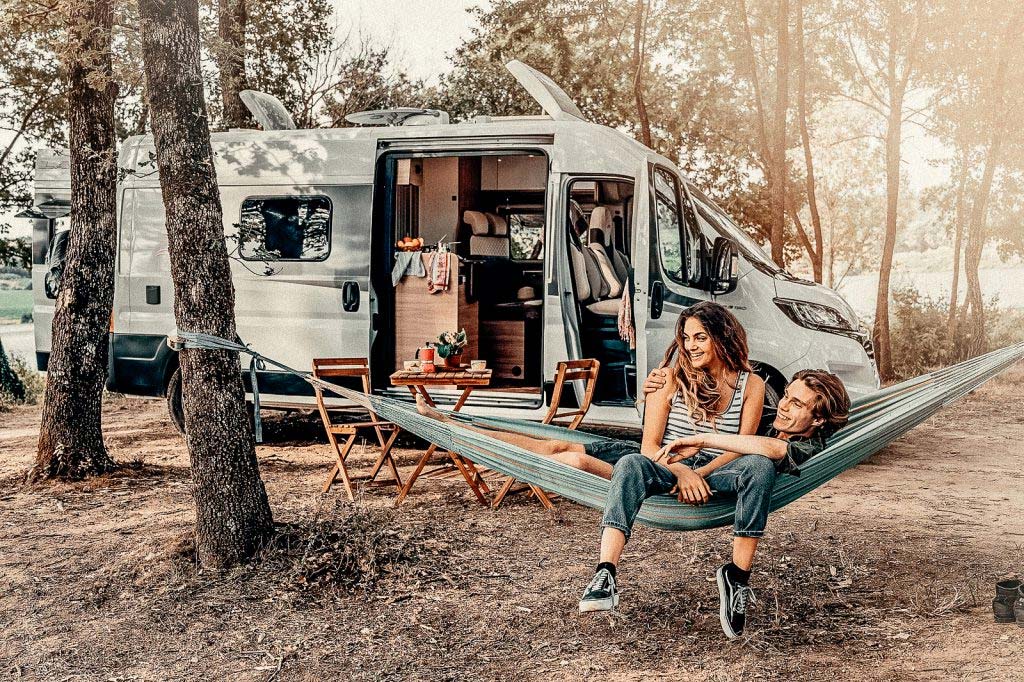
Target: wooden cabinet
420,315
504,343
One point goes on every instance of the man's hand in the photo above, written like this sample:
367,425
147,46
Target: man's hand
655,381
690,486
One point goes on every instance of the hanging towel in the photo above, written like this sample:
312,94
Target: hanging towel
626,330
439,271
407,263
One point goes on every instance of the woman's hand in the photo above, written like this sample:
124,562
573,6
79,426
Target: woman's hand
691,486
679,449
655,381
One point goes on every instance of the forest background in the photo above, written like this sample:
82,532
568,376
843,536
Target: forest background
852,139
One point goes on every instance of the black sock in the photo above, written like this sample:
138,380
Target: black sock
737,574
607,564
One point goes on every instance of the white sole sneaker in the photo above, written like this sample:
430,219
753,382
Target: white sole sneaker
607,604
723,605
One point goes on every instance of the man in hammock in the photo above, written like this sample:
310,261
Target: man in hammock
814,406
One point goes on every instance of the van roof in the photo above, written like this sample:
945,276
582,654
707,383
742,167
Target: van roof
348,155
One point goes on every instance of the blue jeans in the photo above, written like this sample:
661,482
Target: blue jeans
749,479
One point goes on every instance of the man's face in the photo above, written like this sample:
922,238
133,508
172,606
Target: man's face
796,411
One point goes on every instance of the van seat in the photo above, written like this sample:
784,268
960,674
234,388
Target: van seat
489,238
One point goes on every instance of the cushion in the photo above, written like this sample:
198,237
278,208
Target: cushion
609,306
607,270
621,265
499,226
477,222
579,273
601,219
598,286
488,246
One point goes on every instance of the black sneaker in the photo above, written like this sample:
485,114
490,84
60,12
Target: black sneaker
1007,593
600,594
733,599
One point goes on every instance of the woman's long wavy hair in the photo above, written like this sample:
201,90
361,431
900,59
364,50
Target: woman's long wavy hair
699,389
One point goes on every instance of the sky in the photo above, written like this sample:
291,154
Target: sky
420,32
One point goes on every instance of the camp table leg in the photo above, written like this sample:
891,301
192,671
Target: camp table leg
461,464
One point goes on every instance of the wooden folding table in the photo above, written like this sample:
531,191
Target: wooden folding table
417,383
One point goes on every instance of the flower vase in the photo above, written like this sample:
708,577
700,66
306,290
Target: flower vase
453,361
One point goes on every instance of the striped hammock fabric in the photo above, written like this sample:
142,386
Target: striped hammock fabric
875,421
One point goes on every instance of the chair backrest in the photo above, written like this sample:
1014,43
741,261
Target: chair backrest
341,367
573,370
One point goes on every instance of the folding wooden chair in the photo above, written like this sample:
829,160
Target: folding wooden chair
326,368
572,370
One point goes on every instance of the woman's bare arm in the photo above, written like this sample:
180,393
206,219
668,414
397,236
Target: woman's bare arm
659,404
750,417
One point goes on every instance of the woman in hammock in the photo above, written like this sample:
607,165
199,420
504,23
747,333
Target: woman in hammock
714,391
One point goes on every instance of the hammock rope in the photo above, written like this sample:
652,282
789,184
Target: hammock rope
875,421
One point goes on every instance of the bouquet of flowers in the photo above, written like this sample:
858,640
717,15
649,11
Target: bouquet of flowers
451,344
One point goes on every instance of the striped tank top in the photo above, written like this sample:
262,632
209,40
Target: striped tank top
680,424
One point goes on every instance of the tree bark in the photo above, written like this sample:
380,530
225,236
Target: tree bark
816,255
976,229
232,17
639,58
958,238
71,443
777,190
896,86
232,512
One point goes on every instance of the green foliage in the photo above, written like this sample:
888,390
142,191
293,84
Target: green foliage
920,332
15,304
20,384
451,343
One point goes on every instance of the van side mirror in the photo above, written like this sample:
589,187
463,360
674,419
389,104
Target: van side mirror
725,267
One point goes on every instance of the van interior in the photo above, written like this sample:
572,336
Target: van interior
491,209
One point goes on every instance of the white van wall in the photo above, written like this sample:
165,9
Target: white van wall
439,198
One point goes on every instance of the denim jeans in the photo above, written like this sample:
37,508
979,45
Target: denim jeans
749,479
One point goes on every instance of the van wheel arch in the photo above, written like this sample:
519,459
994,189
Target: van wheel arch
774,383
172,393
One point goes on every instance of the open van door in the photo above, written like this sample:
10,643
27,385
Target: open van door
549,96
667,260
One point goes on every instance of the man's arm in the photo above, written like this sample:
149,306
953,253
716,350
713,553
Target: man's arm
739,445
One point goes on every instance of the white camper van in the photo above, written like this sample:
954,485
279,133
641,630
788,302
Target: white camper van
551,218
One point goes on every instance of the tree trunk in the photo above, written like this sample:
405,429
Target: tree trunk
816,255
232,512
639,58
71,443
232,17
777,190
976,229
958,238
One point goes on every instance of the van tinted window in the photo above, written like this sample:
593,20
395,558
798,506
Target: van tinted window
285,228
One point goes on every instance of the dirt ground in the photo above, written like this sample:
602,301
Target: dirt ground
885,573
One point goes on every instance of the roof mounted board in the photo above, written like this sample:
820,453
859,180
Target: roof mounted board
398,116
267,110
546,92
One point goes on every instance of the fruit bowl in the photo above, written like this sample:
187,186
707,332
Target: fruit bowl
410,244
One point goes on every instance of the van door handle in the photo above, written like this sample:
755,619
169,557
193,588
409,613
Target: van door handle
657,299
350,296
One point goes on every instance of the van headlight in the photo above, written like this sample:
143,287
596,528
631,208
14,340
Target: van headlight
818,317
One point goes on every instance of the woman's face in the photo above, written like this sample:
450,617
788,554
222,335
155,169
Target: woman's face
697,344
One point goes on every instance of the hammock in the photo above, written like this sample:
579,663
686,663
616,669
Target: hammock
875,421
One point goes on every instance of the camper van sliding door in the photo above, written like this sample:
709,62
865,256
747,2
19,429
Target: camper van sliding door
664,228
301,273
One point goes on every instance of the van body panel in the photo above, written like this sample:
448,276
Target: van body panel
296,312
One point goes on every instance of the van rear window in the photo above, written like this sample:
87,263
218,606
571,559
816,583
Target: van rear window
285,228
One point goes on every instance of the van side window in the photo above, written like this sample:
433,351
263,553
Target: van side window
285,228
669,218
526,231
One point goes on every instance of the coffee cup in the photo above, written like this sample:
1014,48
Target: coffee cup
411,365
478,365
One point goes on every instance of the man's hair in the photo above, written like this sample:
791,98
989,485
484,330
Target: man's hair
831,401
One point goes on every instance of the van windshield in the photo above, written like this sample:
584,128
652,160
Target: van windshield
724,225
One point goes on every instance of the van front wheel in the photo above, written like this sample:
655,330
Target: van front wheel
175,409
